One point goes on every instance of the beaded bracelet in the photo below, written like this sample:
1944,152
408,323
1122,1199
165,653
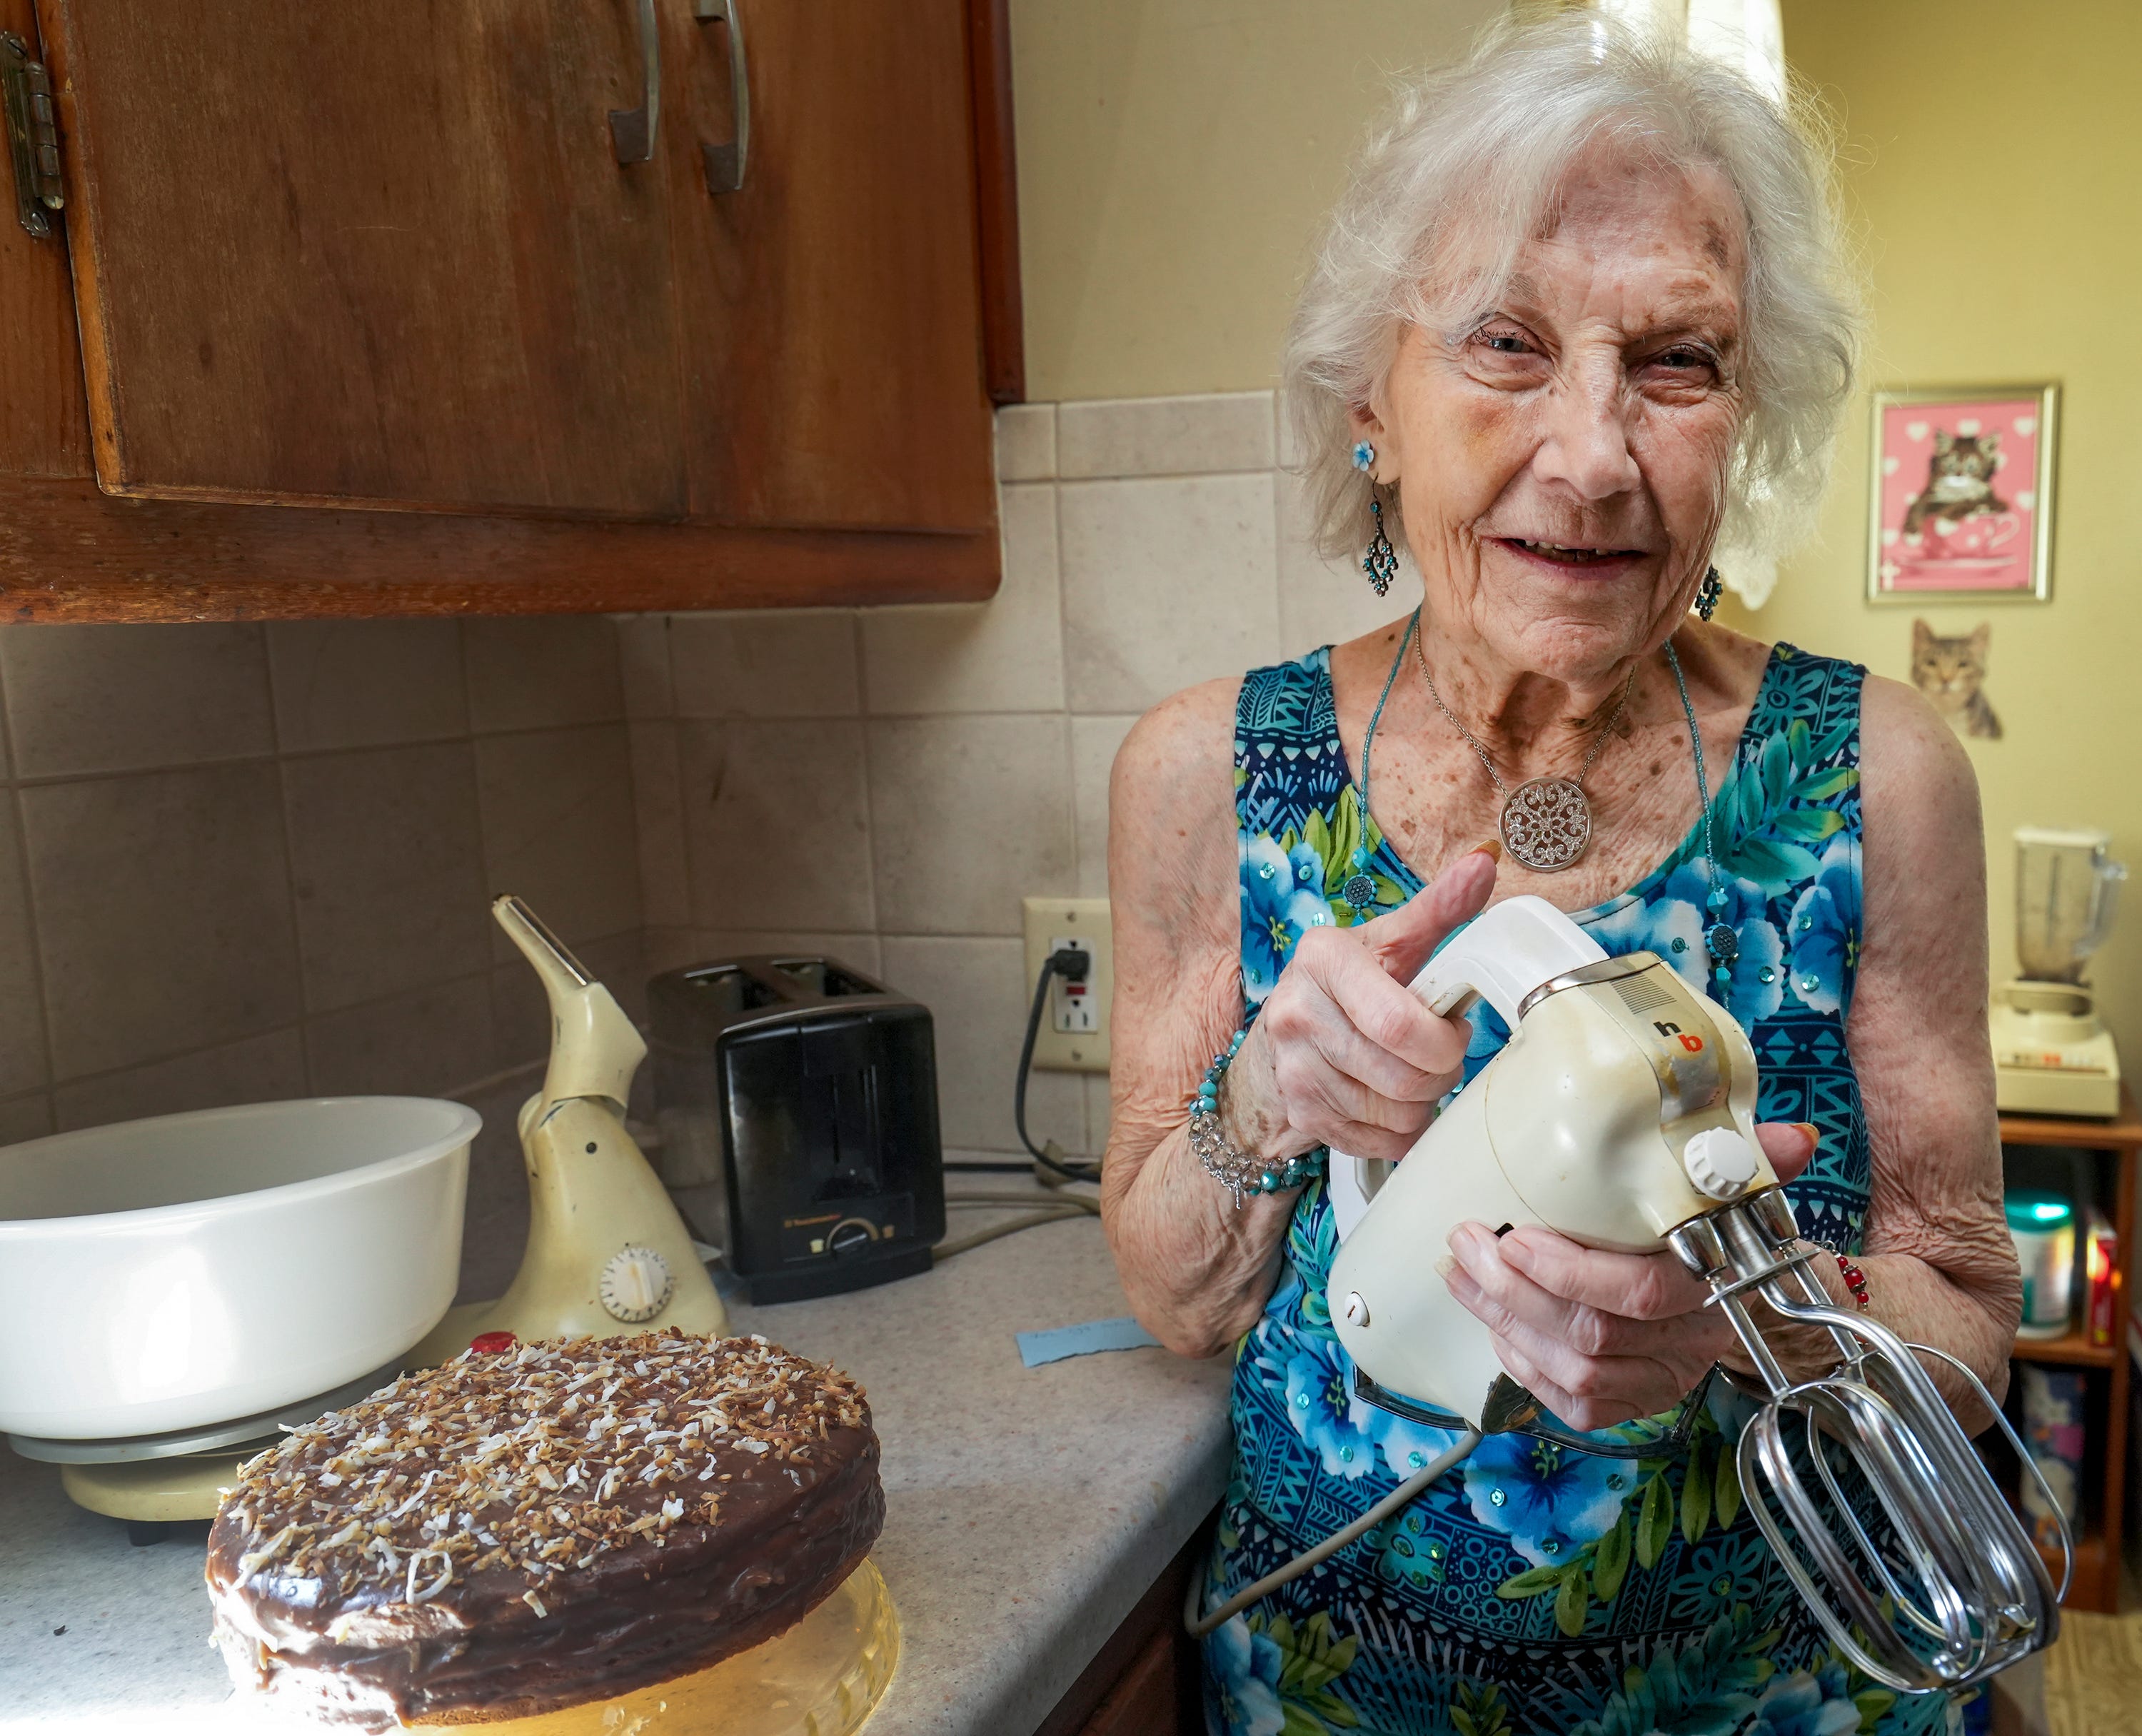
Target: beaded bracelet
1855,1281
1234,1169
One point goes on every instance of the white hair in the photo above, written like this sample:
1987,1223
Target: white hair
1482,148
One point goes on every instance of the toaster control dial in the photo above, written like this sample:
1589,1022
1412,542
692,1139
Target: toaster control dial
850,1235
636,1284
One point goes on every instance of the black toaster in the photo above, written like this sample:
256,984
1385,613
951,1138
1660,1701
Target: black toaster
797,1104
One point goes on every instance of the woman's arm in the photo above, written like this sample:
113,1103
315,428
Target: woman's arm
1196,1271
1940,1265
1941,1268
1342,1054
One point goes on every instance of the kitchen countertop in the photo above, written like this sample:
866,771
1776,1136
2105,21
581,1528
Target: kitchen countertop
1026,1510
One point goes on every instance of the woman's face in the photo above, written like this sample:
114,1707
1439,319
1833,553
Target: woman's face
1561,458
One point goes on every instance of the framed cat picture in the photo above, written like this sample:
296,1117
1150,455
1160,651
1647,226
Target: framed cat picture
1962,493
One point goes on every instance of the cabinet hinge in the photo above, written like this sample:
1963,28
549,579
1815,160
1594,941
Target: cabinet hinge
33,136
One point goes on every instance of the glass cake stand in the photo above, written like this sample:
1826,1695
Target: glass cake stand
821,1678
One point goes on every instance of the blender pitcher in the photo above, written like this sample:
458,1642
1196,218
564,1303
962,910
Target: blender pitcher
2066,891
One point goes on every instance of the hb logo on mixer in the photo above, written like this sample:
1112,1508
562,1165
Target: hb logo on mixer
1692,1044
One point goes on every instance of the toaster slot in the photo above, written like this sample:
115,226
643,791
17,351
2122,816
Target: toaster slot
841,1110
729,989
823,978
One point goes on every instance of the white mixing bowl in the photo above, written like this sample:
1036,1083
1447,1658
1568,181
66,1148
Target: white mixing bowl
196,1268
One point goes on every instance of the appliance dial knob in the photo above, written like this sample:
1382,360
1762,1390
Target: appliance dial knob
851,1235
636,1285
1719,1162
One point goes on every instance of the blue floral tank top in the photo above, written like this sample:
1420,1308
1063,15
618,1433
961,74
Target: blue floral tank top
1536,1588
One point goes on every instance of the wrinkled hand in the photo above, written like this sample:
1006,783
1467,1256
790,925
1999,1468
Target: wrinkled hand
1600,1338
1344,1054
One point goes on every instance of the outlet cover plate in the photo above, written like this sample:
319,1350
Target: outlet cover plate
1071,1051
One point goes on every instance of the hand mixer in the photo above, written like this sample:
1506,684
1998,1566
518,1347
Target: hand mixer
1620,1114
606,1252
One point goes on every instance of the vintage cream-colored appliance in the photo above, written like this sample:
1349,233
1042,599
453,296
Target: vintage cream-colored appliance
2051,1054
173,1291
1621,1113
607,1253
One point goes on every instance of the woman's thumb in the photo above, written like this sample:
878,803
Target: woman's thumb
1403,940
1790,1145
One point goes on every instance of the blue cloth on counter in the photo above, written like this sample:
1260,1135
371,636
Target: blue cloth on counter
1084,1339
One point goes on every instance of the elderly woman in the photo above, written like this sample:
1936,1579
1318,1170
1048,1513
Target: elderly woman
1576,320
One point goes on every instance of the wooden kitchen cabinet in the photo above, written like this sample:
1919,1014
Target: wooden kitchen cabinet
360,312
830,311
1145,1679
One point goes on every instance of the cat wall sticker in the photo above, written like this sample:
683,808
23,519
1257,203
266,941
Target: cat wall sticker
1961,494
1951,672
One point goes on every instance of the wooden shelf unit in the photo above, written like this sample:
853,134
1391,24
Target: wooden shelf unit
2096,1581
2072,1350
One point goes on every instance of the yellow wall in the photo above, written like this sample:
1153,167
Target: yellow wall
1992,155
1175,157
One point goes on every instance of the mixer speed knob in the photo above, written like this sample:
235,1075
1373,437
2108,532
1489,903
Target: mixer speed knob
1719,1162
636,1284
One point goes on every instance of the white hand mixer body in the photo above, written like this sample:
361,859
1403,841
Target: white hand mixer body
1622,1106
1620,1114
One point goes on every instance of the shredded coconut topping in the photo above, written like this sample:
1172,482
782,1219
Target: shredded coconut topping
507,1461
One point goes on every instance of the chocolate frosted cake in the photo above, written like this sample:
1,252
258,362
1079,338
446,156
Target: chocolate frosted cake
541,1525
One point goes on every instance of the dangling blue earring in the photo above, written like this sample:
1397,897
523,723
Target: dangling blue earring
1381,561
1708,593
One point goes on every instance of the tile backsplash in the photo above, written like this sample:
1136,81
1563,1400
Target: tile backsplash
885,784
249,861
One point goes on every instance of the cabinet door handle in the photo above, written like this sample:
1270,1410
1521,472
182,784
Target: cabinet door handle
725,163
632,130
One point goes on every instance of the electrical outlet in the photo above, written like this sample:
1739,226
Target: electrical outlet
1073,1036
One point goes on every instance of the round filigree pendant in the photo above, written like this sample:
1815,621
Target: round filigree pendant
1546,824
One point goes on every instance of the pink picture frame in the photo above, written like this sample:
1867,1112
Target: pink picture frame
1962,495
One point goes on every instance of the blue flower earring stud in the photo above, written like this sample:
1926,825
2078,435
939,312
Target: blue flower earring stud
1381,561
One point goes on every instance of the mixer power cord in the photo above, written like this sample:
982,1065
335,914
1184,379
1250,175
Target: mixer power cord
1393,1503
1052,1211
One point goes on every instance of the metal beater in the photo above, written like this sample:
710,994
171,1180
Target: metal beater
1971,1595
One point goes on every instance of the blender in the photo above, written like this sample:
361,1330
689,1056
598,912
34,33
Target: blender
2052,1054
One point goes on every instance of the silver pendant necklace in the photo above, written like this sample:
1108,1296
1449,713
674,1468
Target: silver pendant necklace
1721,941
1547,822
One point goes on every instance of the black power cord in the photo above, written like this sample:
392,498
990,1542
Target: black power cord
1072,964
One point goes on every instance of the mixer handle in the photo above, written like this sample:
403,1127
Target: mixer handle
1503,955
